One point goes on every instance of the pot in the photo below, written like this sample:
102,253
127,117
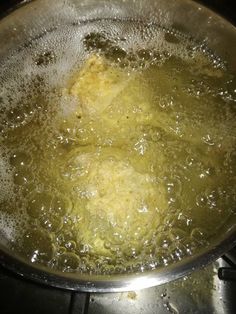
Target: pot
31,20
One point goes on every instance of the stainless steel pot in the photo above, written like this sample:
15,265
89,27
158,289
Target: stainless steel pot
31,20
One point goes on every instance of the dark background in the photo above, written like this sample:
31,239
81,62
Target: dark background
226,8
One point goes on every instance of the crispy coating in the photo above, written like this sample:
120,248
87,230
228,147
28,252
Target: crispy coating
97,84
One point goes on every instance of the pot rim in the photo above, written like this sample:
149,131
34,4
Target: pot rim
116,283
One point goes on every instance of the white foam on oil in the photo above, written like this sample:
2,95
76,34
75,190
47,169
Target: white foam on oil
67,51
12,226
6,179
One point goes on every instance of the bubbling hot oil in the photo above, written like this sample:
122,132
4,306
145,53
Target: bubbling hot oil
117,148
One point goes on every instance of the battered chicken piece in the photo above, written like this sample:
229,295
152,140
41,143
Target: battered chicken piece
112,103
97,84
121,201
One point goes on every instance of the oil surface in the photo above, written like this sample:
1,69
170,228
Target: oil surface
117,148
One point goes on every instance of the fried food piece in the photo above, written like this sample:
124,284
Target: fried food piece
111,104
120,199
97,84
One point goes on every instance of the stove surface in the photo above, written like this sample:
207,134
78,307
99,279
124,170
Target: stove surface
201,292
